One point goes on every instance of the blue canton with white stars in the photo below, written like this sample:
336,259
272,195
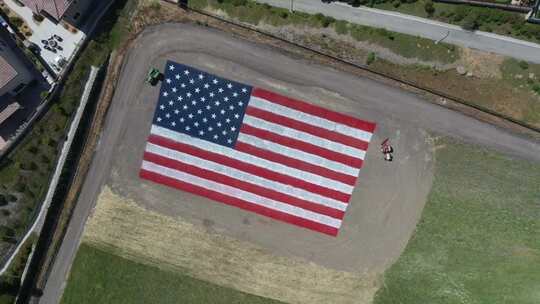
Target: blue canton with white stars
201,105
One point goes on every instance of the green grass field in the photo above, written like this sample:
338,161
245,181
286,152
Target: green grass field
479,237
102,277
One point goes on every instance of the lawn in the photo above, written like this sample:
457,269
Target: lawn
479,237
101,277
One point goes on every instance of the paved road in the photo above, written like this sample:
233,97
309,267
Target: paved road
385,103
417,26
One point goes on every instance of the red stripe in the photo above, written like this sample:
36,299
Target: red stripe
295,163
302,145
314,110
307,128
233,201
249,168
248,187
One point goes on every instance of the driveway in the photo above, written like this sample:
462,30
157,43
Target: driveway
417,26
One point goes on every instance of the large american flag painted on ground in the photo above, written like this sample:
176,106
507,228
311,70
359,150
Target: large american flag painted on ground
254,149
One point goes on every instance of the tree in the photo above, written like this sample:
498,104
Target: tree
470,23
429,8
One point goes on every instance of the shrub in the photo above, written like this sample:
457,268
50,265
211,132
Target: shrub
239,2
37,18
396,3
341,27
327,21
536,88
429,8
3,200
17,22
11,198
371,58
523,64
6,212
470,23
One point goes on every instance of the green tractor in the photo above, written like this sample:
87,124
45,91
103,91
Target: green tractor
154,75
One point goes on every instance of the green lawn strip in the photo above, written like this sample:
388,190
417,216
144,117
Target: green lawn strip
479,237
98,276
482,18
407,46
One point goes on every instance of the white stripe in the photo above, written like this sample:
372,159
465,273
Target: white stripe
318,121
280,187
272,166
243,195
298,154
305,137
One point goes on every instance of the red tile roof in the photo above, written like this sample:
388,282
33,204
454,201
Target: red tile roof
55,8
7,72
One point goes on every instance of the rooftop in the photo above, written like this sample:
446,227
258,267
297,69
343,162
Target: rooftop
55,8
7,72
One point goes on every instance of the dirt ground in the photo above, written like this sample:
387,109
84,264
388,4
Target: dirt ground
179,228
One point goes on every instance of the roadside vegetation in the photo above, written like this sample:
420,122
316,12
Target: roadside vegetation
469,17
478,239
98,276
257,14
26,171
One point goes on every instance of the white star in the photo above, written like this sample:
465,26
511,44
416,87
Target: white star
173,123
229,141
205,119
227,120
224,132
162,107
168,80
183,85
220,90
188,94
219,124
216,136
201,76
182,119
187,128
190,116
206,86
201,132
168,115
171,67
210,129
185,107
229,85
199,111
159,119
203,99
222,112
191,81
214,116
226,98
194,102
236,116
240,103
174,90
217,103
231,107
244,90
171,102
234,94
208,107
211,94
176,111
180,98
233,129
196,124
186,72
197,90
215,81
177,76
165,94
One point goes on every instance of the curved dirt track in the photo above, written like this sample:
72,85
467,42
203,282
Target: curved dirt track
388,199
